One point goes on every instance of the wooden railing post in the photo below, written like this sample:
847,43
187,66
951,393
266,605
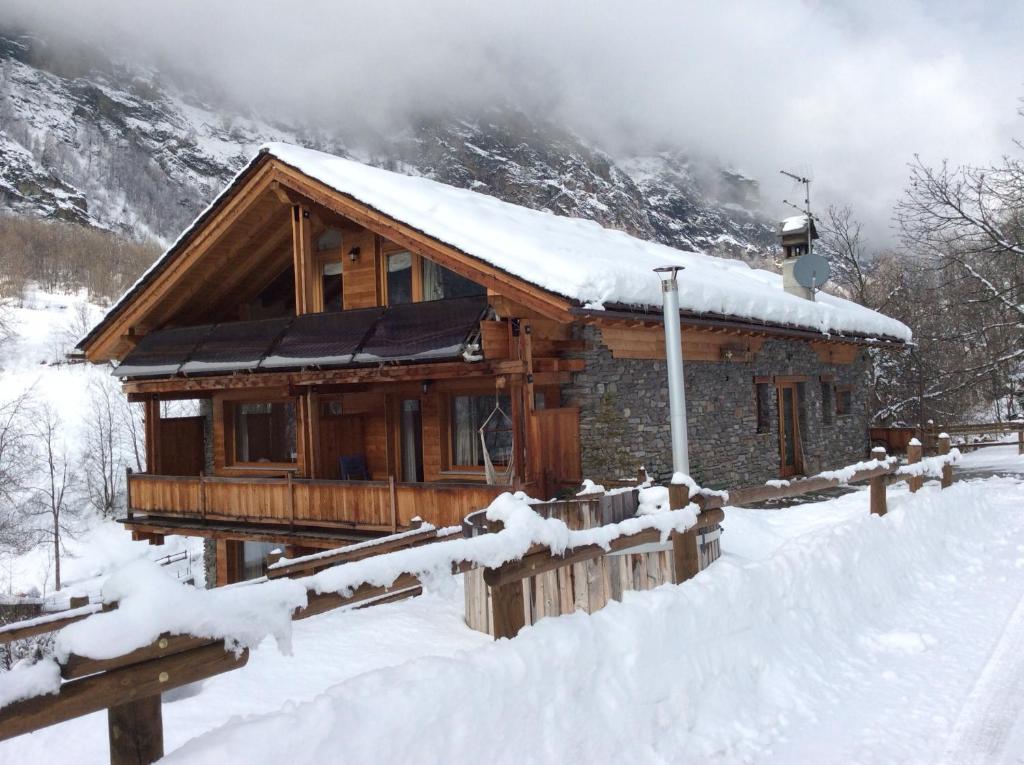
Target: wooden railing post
128,492
947,469
136,731
685,555
508,613
877,485
915,451
202,494
290,499
393,496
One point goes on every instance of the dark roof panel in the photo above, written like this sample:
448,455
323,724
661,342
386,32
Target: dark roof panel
322,339
162,353
235,346
423,331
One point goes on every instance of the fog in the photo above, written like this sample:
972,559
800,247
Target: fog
846,92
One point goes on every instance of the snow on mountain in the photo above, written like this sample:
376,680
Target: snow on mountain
120,147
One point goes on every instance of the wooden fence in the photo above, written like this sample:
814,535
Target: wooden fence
540,583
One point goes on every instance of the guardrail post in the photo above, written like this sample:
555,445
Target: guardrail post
915,451
136,732
947,469
685,555
877,485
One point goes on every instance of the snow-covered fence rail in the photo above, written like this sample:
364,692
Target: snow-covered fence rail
162,635
584,579
978,435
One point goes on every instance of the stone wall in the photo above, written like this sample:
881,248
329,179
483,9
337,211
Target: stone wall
209,545
624,416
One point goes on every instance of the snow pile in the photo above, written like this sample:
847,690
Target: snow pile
573,257
722,666
930,466
150,603
24,681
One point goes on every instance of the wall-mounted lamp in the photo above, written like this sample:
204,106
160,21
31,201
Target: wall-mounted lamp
353,254
425,387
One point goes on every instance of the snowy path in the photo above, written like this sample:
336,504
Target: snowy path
993,714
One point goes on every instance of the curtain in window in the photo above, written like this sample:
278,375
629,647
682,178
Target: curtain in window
433,281
468,415
465,429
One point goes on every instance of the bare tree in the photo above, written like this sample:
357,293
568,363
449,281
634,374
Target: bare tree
49,502
101,459
966,225
16,468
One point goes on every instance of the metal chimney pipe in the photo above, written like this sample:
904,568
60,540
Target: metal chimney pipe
674,356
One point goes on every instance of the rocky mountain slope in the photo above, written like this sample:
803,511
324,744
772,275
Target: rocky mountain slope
120,147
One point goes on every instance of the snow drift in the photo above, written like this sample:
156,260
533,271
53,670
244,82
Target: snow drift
722,664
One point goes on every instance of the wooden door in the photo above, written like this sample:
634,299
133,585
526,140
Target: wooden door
340,436
182,447
554,446
790,450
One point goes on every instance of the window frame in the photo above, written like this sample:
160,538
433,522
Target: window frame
231,437
840,391
446,400
389,249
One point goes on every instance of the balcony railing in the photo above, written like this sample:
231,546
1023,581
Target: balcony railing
290,502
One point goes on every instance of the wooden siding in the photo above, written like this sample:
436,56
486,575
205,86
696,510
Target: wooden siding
360,504
360,282
554,447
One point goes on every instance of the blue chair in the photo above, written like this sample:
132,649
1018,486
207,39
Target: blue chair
353,468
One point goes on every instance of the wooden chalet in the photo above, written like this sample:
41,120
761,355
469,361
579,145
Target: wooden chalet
365,351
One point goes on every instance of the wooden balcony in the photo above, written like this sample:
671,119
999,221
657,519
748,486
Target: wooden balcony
294,502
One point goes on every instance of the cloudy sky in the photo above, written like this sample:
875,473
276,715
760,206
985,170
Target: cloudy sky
846,92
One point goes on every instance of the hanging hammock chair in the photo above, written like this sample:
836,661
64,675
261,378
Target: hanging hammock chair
497,475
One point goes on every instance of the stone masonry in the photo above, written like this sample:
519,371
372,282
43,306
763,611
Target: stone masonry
624,415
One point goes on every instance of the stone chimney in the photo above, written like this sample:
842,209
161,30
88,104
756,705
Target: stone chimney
794,235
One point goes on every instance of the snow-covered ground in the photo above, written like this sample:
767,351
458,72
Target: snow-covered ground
823,635
45,327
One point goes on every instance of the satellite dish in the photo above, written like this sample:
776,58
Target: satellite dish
811,271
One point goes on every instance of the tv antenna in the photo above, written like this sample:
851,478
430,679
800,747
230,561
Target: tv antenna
806,210
810,271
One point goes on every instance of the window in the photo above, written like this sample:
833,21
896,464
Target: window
844,400
264,431
254,558
439,283
410,278
330,285
763,402
467,416
828,402
399,278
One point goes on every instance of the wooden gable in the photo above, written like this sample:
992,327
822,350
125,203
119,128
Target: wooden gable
262,225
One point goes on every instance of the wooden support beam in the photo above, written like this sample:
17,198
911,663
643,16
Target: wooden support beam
116,687
151,423
915,451
877,485
508,610
947,469
685,555
302,253
136,732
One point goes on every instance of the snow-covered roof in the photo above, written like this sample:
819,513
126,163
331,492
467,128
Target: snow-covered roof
572,257
793,224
